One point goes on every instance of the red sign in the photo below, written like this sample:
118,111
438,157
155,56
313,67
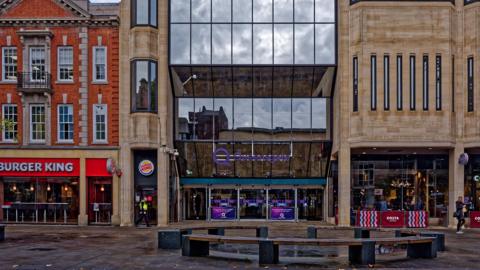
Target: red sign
392,219
475,219
97,167
39,167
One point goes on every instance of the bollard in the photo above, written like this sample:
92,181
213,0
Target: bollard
312,232
262,232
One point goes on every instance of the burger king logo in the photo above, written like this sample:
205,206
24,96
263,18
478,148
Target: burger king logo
146,167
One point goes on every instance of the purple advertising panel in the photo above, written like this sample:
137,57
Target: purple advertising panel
224,213
282,213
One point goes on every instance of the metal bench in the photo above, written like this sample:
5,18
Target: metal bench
360,251
172,238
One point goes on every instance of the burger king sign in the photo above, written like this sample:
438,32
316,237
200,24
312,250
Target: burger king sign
146,167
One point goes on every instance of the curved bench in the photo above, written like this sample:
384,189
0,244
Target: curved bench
360,251
364,233
172,238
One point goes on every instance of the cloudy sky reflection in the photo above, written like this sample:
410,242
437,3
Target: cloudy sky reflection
281,34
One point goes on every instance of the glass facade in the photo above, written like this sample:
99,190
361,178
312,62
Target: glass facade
401,182
286,32
253,83
472,182
40,199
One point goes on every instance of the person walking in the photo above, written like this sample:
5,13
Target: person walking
459,214
143,212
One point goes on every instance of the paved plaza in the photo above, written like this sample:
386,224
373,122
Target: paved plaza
73,247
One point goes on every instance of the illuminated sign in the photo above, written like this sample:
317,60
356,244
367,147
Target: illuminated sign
146,167
222,156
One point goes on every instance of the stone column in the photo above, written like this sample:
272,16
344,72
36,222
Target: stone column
456,181
162,188
344,186
82,216
115,201
83,101
126,185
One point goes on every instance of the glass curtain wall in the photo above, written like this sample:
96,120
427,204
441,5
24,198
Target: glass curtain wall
255,32
402,182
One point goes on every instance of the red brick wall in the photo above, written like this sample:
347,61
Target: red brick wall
110,36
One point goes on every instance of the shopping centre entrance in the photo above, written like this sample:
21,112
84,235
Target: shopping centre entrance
253,202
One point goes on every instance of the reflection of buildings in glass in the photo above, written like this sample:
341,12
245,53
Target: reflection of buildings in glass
142,95
202,124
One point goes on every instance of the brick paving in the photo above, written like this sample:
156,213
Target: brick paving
73,247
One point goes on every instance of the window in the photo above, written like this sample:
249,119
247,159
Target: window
412,82
399,83
425,82
386,82
10,129
100,123
100,64
9,64
144,86
37,123
355,84
470,84
373,82
65,63
438,83
144,12
37,64
65,123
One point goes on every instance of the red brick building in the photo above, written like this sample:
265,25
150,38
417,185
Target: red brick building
59,94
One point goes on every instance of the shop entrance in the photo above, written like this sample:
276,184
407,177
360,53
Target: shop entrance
195,203
145,168
310,204
99,200
253,204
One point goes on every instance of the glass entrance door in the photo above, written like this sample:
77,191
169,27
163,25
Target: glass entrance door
310,204
195,203
281,204
253,204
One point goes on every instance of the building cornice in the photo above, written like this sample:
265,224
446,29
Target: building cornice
16,22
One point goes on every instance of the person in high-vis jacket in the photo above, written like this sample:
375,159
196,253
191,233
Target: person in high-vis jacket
143,212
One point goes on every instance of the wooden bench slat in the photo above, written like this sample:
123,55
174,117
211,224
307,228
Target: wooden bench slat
308,241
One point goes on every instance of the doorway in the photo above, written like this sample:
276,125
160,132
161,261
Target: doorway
99,200
253,204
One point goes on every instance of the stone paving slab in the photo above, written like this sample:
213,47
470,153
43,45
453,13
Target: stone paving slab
105,248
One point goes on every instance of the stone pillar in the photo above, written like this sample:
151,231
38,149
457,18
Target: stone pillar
456,181
83,101
82,216
126,185
344,186
115,201
162,188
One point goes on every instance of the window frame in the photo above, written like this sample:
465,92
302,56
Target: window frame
355,83
58,63
94,121
94,64
412,70
470,84
31,123
59,124
133,80
4,64
15,129
438,82
399,82
425,82
373,82
133,14
386,82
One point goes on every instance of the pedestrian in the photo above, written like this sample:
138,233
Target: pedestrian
143,212
459,214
